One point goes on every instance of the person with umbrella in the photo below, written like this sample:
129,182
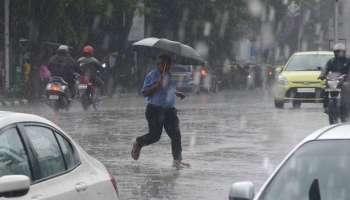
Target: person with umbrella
160,94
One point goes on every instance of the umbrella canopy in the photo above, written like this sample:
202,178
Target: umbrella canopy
181,53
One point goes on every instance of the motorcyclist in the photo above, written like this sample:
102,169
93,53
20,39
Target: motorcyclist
339,64
63,65
90,66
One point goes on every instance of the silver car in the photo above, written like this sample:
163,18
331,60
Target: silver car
39,161
317,168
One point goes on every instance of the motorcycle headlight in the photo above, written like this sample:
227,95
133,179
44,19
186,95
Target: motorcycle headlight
282,80
333,84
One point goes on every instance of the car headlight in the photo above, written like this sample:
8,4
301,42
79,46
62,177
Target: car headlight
282,80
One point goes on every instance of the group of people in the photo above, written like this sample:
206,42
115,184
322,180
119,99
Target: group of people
63,65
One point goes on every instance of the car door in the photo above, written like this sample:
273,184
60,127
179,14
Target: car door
54,179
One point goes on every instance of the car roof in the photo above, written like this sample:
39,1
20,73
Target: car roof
314,53
8,118
334,132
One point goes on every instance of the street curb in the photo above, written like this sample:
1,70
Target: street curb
13,102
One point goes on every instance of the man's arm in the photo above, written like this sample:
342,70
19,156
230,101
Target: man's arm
149,91
151,88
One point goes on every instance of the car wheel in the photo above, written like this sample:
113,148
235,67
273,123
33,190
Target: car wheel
279,104
296,104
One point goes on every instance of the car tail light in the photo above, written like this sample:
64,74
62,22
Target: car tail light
114,182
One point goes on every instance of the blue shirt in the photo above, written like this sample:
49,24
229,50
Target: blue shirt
165,97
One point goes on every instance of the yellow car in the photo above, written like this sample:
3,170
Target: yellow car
298,80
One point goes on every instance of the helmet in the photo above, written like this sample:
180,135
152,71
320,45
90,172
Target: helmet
63,48
339,47
88,50
339,50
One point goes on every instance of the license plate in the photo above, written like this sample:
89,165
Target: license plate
54,97
306,90
82,86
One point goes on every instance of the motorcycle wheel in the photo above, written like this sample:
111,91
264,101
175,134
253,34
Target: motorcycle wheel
85,101
333,111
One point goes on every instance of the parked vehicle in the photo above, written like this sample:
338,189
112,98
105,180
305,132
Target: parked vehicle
298,81
57,94
337,110
317,168
40,161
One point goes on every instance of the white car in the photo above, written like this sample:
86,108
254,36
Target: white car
39,161
318,168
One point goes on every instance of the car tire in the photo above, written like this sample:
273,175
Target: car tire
279,104
296,104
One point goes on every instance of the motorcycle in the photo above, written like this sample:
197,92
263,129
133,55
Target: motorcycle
336,105
57,94
87,93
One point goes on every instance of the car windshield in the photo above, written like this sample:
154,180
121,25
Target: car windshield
311,62
325,161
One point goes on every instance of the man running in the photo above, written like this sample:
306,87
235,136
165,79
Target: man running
160,93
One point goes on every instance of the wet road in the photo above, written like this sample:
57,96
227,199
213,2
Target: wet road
227,137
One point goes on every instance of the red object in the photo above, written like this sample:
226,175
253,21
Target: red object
86,80
88,50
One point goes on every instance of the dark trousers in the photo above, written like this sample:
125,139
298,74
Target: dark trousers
157,118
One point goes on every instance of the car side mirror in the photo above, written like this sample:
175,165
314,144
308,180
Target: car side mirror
242,191
14,185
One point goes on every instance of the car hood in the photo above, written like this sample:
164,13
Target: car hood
302,76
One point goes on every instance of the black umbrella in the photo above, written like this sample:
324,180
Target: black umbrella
181,53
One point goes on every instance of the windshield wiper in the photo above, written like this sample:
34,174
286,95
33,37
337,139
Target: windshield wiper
314,191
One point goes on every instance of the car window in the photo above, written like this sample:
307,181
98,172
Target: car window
307,62
13,157
325,162
46,150
68,152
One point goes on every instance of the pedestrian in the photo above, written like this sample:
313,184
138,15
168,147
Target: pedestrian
160,93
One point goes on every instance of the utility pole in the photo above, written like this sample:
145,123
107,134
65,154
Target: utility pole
7,44
336,21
